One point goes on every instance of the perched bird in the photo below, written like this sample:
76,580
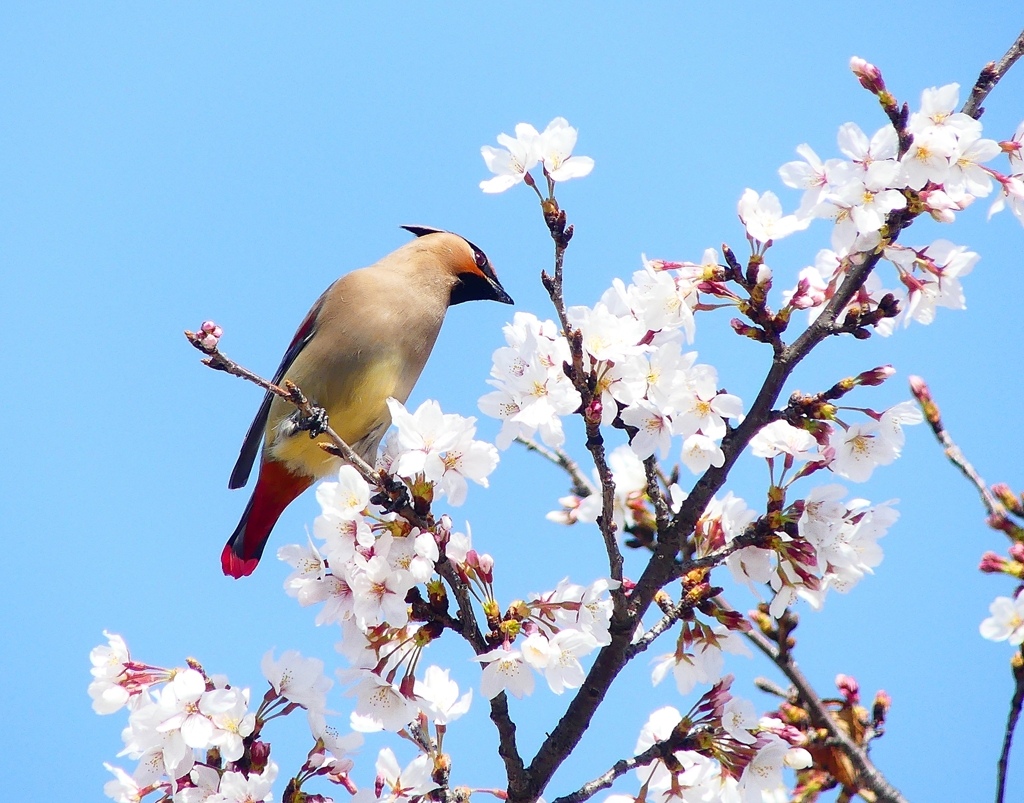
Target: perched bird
365,339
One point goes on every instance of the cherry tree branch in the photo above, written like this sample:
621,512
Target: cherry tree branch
581,485
561,234
990,75
868,776
953,453
658,750
997,513
662,566
470,628
1011,723
219,361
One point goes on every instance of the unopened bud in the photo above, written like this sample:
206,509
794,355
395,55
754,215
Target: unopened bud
259,755
868,74
211,334
1017,552
875,376
848,687
991,563
485,568
753,332
1010,500
880,709
923,394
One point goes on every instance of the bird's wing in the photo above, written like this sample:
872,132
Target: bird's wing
254,437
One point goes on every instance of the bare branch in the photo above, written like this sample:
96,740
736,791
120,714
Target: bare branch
868,776
932,414
290,393
581,485
619,768
582,380
1017,665
991,73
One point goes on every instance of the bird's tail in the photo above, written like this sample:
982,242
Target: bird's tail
275,489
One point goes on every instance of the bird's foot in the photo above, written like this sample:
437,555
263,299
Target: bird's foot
315,423
394,497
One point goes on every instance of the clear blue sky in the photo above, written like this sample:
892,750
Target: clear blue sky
160,166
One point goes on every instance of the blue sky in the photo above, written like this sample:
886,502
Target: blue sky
164,165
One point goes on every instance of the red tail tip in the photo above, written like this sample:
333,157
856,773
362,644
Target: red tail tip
235,566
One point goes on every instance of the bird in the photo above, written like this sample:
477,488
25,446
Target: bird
365,339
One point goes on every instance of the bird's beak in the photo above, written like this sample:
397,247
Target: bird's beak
499,292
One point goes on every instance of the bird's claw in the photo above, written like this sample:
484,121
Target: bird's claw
315,423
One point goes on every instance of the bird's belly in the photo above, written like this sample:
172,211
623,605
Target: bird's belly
356,408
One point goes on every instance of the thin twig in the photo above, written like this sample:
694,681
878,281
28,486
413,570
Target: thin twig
990,76
290,393
470,629
1011,723
561,234
656,751
933,416
581,486
867,775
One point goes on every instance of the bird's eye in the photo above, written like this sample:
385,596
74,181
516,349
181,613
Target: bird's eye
481,259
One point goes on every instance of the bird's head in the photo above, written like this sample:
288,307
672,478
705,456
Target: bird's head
475,279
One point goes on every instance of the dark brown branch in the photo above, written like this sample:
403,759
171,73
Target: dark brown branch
1011,723
867,775
656,751
561,234
662,566
581,485
990,76
470,629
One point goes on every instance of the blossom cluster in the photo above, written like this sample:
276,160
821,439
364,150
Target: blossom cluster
632,344
193,735
739,757
367,561
560,627
551,148
938,169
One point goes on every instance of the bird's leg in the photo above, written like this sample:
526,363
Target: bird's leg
394,496
314,421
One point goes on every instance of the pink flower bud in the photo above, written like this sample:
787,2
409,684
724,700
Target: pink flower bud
1017,552
486,568
848,687
880,709
1011,146
868,74
991,563
920,389
876,376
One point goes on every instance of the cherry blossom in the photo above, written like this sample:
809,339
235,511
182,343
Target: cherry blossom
1007,620
762,216
511,165
439,696
554,147
403,785
505,670
380,705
